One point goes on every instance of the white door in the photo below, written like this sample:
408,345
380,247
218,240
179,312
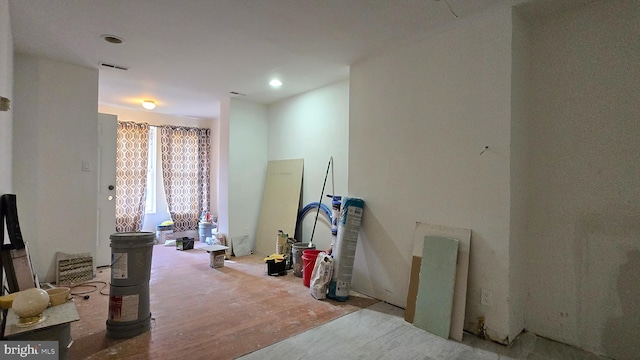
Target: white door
107,137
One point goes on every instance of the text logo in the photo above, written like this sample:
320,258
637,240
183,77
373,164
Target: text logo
29,350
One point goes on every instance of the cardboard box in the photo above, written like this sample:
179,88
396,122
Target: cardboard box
216,259
216,255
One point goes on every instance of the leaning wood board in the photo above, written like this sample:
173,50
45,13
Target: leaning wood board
462,271
280,203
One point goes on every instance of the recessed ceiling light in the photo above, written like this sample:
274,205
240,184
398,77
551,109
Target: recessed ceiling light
148,104
112,39
275,83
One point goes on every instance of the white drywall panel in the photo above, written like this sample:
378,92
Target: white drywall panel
280,203
463,236
434,301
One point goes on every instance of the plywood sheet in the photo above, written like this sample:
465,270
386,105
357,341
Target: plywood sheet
462,271
434,302
280,202
414,281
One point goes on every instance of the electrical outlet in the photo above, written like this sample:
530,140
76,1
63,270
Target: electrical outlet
487,297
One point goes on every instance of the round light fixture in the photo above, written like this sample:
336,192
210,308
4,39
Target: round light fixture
29,305
275,83
148,104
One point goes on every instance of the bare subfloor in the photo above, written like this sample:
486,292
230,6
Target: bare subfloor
204,313
380,332
239,312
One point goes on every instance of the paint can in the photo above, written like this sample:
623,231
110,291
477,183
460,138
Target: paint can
298,248
204,230
164,233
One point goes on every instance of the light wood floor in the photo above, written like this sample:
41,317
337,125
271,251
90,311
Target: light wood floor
204,313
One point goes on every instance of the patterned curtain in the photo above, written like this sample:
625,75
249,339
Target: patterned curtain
131,175
185,168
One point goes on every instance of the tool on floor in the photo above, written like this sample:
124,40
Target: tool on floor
329,165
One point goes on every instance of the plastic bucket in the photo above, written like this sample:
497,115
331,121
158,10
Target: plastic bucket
164,233
129,313
204,231
297,257
309,257
131,258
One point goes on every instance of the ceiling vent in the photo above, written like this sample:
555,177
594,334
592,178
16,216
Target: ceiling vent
111,66
112,39
237,93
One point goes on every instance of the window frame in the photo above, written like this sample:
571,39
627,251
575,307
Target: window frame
150,207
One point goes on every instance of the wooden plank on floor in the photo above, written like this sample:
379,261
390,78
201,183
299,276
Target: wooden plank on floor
460,293
434,302
414,281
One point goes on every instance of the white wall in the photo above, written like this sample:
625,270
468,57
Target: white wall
157,119
247,167
584,180
214,164
314,126
6,90
154,118
519,147
419,118
223,166
55,130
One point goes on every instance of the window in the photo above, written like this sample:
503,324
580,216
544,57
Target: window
186,155
150,200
